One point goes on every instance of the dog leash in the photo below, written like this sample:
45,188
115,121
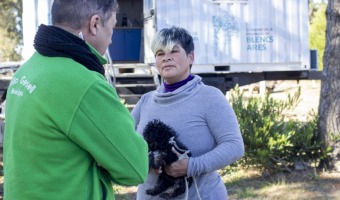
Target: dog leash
183,155
187,188
184,152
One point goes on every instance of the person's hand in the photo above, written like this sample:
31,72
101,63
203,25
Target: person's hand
157,171
178,168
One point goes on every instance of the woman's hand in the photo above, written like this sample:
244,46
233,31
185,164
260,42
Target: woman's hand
178,168
156,171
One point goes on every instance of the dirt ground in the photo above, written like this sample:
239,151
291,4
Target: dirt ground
297,185
252,185
309,97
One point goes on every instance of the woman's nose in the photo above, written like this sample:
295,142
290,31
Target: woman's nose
167,59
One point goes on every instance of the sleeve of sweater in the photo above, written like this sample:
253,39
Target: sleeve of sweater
223,125
105,128
136,111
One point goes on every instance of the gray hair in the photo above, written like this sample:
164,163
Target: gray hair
167,38
75,13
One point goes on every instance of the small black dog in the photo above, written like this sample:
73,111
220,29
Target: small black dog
161,138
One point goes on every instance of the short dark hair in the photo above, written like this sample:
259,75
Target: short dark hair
168,37
75,13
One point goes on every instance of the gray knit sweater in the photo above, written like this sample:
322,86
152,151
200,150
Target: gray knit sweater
206,124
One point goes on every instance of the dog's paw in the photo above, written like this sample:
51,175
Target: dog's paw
152,192
172,192
167,195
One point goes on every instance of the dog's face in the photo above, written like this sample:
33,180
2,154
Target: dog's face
157,135
157,159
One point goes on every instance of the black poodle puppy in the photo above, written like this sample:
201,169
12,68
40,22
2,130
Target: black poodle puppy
161,138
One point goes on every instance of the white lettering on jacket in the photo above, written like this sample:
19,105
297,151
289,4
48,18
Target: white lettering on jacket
16,92
25,83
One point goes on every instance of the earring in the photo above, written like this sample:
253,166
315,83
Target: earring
80,35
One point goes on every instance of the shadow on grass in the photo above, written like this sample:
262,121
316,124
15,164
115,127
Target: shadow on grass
126,196
307,184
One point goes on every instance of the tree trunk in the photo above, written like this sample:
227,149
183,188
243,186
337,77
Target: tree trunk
329,107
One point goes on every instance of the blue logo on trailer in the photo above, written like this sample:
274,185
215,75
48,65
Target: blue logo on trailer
226,24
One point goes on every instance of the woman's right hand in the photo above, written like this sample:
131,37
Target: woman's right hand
156,171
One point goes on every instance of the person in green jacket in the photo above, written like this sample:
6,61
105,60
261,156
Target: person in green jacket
67,134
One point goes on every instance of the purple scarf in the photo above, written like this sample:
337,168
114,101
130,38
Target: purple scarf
174,86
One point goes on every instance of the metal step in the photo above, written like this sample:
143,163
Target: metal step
130,95
132,68
130,65
135,85
130,106
130,87
130,75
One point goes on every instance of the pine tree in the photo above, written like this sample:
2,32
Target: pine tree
329,107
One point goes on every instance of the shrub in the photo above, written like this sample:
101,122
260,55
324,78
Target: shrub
273,140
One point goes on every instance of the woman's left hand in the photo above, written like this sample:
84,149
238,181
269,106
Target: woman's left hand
178,168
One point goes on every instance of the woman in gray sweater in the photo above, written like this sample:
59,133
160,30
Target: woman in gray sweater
200,115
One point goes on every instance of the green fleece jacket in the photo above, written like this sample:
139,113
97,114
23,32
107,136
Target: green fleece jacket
68,136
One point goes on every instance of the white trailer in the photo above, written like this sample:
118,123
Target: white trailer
236,41
241,35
